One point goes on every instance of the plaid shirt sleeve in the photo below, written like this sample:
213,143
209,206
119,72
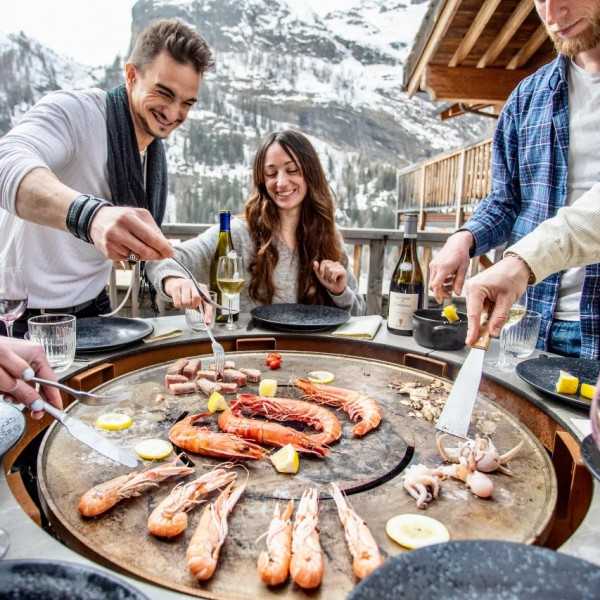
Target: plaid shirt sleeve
493,220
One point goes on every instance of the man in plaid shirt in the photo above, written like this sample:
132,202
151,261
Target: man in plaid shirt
545,156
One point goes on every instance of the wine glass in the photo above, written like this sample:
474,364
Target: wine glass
230,279
13,296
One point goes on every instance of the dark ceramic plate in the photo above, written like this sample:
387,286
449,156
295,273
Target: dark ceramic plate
12,426
299,317
481,570
542,374
591,456
58,580
97,334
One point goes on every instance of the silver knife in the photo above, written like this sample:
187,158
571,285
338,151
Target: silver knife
87,435
456,416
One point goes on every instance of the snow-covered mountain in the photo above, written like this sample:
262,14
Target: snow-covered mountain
337,77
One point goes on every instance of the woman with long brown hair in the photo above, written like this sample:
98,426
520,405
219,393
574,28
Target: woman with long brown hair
288,238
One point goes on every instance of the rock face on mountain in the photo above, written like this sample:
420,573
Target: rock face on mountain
337,77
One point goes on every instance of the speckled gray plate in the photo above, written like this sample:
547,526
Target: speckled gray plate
542,374
299,317
12,426
482,570
97,334
59,580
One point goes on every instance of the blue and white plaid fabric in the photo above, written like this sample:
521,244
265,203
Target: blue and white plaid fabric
529,185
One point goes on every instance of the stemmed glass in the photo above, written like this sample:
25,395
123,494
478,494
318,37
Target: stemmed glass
13,296
230,279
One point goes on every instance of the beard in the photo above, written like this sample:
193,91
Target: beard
587,40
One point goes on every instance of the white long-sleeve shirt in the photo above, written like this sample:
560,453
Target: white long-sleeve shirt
570,239
66,133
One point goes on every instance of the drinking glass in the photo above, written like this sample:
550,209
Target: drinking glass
230,279
13,296
57,335
518,340
595,416
515,314
194,318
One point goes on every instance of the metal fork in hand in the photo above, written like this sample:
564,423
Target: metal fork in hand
218,350
85,397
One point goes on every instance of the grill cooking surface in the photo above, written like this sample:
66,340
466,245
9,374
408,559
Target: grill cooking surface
521,509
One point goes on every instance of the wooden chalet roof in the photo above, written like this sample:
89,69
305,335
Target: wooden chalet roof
474,52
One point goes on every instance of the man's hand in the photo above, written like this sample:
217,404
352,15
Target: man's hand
120,231
332,275
15,357
184,294
502,284
448,269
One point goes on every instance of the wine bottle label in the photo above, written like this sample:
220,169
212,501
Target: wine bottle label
235,304
401,310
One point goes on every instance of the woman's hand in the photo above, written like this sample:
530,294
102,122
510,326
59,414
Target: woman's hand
184,294
15,357
332,275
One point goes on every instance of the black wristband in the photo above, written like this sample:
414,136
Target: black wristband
81,213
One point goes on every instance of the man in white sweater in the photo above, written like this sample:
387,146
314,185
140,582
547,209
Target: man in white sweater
571,239
83,177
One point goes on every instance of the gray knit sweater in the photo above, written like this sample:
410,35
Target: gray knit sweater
197,254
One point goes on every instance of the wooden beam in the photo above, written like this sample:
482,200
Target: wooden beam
471,85
440,29
529,49
477,26
506,34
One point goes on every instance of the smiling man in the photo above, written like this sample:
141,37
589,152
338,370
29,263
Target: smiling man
545,157
83,176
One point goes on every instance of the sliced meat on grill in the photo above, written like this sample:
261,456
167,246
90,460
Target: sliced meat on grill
177,367
235,376
207,387
228,387
192,367
189,387
171,378
210,375
253,375
229,364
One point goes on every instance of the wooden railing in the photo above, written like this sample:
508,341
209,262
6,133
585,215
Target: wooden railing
373,254
451,184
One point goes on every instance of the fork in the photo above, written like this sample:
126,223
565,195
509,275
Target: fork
218,350
85,397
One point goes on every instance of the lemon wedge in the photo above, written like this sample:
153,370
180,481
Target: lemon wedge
216,403
286,460
450,313
321,377
415,531
587,391
153,449
267,387
567,383
114,421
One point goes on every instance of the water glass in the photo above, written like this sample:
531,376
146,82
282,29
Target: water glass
518,340
194,318
57,335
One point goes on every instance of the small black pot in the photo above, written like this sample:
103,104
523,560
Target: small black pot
431,330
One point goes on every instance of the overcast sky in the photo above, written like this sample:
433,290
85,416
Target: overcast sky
90,31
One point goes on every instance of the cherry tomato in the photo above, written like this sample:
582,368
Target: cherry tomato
273,360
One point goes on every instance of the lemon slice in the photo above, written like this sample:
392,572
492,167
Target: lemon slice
587,391
321,377
267,387
450,313
286,460
114,421
415,531
153,449
567,383
216,403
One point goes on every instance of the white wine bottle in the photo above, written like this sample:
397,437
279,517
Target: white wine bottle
224,246
406,286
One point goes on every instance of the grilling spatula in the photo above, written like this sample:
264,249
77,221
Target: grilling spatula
456,416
